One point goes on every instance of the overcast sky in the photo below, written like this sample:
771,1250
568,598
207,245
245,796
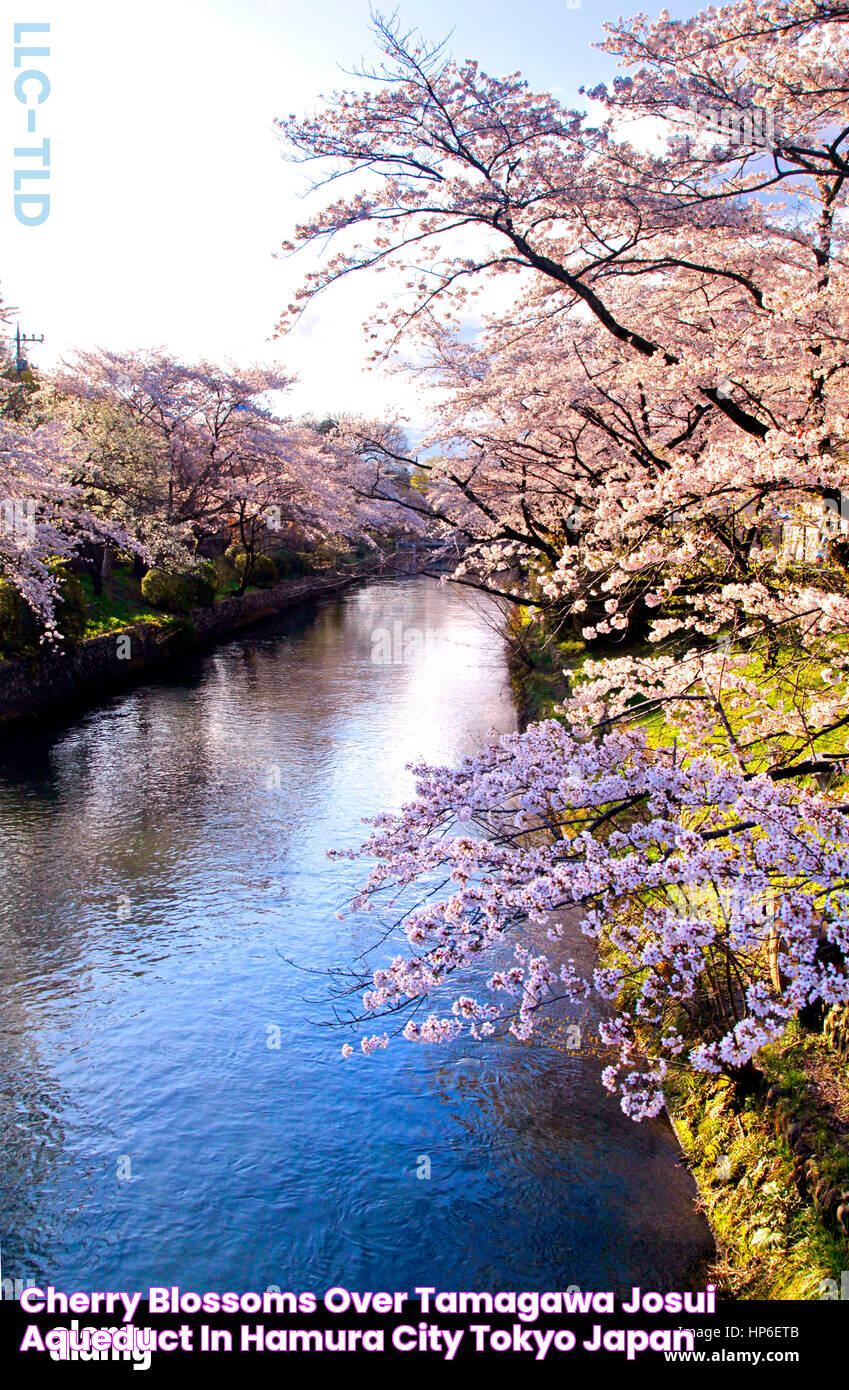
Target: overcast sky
169,195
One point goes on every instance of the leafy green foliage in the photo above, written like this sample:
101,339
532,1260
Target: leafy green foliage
262,571
19,627
177,593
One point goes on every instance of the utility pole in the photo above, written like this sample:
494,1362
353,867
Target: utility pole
21,341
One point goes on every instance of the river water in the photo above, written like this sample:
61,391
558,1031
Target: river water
173,1108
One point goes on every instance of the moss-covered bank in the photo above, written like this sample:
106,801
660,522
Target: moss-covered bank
772,1170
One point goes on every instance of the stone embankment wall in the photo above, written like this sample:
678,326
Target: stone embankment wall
31,685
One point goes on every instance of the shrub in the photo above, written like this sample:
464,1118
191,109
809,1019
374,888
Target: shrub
19,627
176,593
325,553
263,571
71,605
292,564
206,582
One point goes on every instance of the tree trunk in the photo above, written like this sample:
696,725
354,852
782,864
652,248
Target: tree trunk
773,942
748,1080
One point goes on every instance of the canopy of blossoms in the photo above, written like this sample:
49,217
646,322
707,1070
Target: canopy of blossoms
647,448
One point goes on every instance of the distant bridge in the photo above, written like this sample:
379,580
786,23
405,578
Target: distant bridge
415,557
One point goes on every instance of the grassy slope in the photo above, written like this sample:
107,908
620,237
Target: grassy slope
772,1241
119,606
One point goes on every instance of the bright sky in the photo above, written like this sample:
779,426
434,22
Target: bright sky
169,195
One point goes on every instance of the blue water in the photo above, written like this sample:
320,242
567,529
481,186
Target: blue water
162,862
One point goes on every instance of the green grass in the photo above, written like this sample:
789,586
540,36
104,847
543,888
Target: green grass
119,606
772,1243
541,688
559,665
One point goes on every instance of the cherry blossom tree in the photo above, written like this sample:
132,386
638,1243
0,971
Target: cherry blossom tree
160,435
678,261
44,516
636,442
188,451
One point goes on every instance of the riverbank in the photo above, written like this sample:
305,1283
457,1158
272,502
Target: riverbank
771,1168
773,1172
31,686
